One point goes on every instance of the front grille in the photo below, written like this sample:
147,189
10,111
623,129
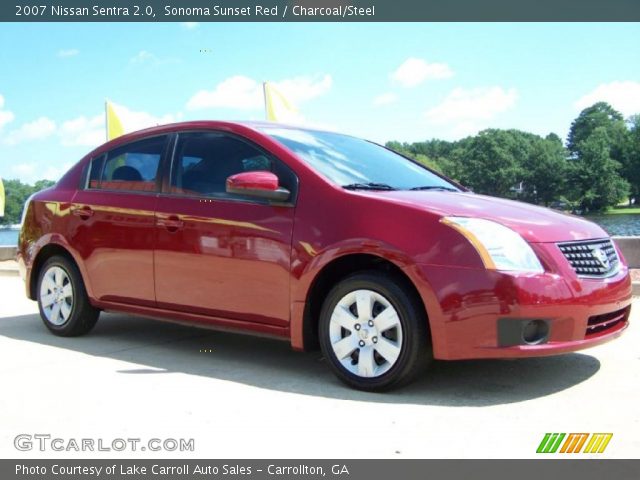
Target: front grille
602,323
591,258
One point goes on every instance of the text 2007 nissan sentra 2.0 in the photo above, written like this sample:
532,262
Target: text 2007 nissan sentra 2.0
318,238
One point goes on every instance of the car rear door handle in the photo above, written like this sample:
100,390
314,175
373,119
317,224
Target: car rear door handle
82,212
172,223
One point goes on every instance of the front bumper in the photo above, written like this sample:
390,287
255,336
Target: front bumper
466,308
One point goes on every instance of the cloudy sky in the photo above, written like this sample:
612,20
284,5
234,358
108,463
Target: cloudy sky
405,82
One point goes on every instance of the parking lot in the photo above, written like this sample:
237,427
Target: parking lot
243,397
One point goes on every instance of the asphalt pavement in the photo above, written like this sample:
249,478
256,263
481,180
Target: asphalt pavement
238,396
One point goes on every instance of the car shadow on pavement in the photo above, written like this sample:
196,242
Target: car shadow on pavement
158,347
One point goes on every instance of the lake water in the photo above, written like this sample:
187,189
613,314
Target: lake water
624,225
8,236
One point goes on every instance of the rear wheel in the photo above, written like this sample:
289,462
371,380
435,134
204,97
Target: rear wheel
62,299
373,331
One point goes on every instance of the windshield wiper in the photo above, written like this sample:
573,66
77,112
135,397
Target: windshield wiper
435,187
368,186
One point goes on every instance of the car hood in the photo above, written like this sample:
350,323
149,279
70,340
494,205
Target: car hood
533,223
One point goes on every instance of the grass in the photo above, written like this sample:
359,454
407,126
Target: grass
619,210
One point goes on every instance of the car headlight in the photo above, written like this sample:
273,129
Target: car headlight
499,247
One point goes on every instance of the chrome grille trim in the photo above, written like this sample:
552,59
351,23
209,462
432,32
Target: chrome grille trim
582,256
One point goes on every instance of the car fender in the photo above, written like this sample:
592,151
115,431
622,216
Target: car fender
59,240
307,264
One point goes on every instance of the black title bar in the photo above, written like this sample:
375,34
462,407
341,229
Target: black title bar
319,10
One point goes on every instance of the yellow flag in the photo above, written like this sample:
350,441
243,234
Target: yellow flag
114,126
278,108
1,198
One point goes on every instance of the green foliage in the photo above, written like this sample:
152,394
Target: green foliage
605,162
595,175
490,162
417,154
545,170
631,162
599,167
599,116
16,194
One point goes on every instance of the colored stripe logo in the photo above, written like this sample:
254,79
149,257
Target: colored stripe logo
574,443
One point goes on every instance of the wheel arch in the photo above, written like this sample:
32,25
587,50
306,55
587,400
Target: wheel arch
334,271
45,253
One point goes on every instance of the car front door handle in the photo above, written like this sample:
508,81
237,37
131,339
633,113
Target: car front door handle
172,223
82,212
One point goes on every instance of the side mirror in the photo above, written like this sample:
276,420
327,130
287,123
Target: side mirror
261,184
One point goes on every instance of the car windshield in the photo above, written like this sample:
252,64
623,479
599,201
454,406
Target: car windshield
355,163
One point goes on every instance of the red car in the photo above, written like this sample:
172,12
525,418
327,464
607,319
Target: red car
316,238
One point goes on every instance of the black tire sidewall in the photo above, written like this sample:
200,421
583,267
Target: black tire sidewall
74,324
410,317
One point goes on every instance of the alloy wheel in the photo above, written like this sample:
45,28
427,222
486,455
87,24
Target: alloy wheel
365,333
56,295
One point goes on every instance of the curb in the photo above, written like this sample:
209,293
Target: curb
635,289
8,267
8,252
9,272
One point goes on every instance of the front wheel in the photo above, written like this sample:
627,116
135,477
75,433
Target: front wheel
62,299
373,331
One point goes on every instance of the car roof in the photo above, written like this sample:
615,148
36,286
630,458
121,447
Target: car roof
230,126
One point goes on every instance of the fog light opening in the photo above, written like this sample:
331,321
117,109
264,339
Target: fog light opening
535,332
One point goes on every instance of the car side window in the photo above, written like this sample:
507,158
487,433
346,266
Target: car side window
131,167
204,160
95,171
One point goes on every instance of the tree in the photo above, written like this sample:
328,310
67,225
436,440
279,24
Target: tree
490,162
409,150
595,176
16,194
631,164
545,170
599,115
600,165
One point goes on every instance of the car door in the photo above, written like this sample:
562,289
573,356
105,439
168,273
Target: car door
113,222
223,254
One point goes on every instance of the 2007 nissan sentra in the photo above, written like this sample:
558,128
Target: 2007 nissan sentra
320,239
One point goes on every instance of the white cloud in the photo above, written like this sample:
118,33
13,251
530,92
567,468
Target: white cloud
23,169
189,25
31,171
244,93
623,96
470,110
385,99
5,115
40,128
301,89
239,92
414,71
136,120
54,172
72,52
83,131
143,56
90,132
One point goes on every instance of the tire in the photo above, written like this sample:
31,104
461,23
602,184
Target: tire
386,346
62,299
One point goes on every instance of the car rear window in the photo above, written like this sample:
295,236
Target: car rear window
132,167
